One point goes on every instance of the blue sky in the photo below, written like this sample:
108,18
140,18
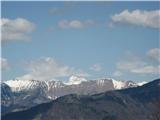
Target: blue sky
53,40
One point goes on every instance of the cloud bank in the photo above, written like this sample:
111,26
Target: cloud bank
47,68
139,17
16,29
137,65
154,54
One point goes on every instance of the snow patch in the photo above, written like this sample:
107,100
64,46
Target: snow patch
142,83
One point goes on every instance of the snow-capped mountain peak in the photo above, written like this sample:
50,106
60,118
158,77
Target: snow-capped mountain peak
118,84
75,80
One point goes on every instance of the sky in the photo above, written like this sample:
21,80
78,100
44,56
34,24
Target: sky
54,40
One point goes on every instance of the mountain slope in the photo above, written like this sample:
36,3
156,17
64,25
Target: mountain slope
128,104
28,93
6,97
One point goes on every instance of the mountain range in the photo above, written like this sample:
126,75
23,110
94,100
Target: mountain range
22,94
136,103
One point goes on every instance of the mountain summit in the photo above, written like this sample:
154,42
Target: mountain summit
75,80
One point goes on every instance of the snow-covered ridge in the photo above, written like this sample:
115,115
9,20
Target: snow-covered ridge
21,85
24,85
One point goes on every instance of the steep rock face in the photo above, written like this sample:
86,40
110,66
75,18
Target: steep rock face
127,104
28,93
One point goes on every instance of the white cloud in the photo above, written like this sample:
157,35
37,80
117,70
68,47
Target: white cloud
76,24
4,64
80,72
137,65
154,53
96,67
129,64
16,29
130,61
149,69
48,68
139,17
117,73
